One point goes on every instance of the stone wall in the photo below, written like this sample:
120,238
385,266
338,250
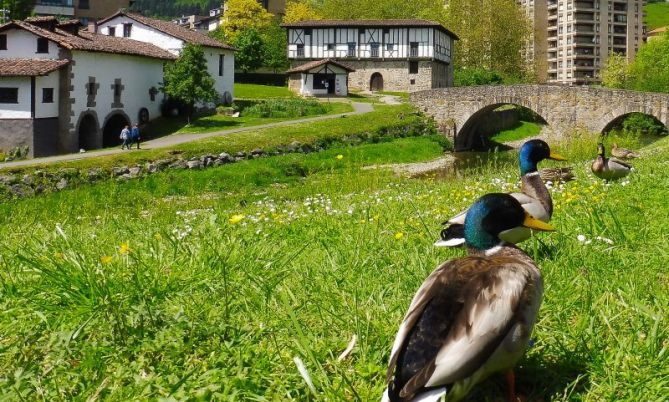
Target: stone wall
395,74
16,133
563,108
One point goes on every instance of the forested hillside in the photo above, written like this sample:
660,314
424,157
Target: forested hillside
172,8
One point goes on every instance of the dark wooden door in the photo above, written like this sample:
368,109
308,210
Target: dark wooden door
376,83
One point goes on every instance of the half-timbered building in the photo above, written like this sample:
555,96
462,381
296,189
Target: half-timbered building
391,55
320,77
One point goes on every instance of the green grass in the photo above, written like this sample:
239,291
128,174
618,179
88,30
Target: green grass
524,129
201,308
657,15
219,122
372,125
255,91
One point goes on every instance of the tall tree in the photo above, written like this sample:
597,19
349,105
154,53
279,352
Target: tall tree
615,72
275,44
18,9
250,50
650,69
188,80
244,14
300,10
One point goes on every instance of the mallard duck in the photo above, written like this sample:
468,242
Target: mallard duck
557,174
609,168
623,152
534,197
472,316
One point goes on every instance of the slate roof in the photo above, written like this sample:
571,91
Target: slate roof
29,67
172,29
408,23
91,42
317,63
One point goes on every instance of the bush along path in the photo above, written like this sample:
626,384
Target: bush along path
22,184
178,139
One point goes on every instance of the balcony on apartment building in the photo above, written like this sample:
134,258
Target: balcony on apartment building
619,19
552,4
585,6
582,52
584,16
54,7
551,56
581,27
620,6
584,65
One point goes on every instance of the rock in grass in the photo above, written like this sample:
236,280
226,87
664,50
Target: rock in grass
94,174
8,179
151,167
179,164
135,171
196,164
119,171
225,157
62,184
21,191
28,179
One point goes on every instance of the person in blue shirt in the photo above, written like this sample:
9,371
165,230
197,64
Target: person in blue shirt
134,135
125,137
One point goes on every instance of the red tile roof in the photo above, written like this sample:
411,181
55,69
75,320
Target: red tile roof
29,67
90,42
408,23
317,63
172,29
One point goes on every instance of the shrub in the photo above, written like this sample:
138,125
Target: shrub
286,108
638,123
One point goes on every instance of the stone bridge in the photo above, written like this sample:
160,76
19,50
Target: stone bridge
458,111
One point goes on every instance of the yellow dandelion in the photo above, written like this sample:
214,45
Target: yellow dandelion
106,259
157,236
339,157
124,249
235,219
399,235
59,256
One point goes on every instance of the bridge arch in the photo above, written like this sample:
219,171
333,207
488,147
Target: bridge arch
618,121
473,132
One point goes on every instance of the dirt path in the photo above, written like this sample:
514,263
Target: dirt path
176,139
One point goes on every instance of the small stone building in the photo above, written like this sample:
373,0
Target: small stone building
320,77
390,55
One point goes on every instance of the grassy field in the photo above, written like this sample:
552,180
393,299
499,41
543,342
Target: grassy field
255,91
657,15
206,285
524,129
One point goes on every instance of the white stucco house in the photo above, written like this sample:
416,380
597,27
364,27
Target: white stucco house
172,37
319,78
62,88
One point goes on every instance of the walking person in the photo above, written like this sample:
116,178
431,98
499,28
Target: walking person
125,137
134,135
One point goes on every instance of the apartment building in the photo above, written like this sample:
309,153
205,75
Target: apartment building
83,10
572,39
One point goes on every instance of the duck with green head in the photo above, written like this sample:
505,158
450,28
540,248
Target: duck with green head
472,316
534,196
608,168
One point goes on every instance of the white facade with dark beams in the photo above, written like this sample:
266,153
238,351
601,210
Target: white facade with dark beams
320,78
392,55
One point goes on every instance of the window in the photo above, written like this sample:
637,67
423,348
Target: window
220,64
9,95
307,31
351,49
412,81
390,47
84,4
331,46
42,45
127,30
112,31
320,81
47,95
3,42
413,49
300,50
413,67
375,49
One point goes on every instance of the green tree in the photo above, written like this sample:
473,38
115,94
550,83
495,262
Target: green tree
250,50
275,44
380,9
615,72
650,69
300,10
18,9
492,40
188,80
242,15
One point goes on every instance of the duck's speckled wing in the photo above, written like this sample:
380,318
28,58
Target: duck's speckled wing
455,321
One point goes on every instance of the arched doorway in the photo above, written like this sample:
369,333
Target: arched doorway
88,132
376,82
112,129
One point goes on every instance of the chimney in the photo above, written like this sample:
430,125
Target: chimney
92,27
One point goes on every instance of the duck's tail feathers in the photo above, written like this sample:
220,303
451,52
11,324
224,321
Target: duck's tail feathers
452,236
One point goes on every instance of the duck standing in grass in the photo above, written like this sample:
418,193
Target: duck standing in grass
609,168
534,197
623,153
472,316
